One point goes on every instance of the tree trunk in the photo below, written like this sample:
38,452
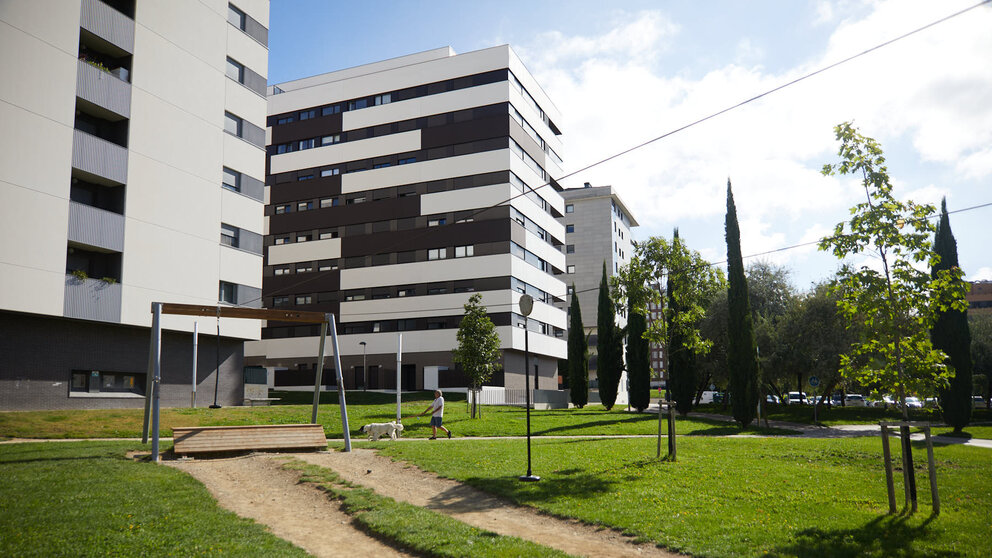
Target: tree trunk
702,388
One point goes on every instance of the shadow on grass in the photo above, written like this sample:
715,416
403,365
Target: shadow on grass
593,424
572,485
883,536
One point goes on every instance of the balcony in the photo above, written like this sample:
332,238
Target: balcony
103,89
92,299
96,227
99,157
108,24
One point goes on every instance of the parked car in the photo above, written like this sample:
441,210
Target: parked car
856,400
978,403
796,398
772,399
914,403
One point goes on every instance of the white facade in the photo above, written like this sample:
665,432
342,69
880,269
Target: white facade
113,161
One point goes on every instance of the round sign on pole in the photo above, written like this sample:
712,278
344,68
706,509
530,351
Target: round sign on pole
814,381
526,304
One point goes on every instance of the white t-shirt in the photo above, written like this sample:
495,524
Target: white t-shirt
438,406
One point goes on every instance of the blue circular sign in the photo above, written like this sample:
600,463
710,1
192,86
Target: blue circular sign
814,381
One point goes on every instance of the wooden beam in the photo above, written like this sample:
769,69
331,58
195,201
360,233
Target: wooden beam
248,313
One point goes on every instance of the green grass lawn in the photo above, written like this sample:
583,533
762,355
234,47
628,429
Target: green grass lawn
363,408
983,432
88,499
735,496
846,415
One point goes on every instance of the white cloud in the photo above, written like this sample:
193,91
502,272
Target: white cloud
928,92
983,274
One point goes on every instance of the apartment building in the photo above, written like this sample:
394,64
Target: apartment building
979,297
597,231
131,172
398,189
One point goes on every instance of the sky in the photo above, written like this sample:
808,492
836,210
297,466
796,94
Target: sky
625,72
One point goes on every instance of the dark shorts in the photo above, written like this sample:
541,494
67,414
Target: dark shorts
435,421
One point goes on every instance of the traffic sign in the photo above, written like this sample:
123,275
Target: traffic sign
814,381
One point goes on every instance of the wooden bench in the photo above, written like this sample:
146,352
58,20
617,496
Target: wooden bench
209,439
261,400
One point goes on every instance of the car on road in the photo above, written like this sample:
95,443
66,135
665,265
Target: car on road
855,400
914,403
795,398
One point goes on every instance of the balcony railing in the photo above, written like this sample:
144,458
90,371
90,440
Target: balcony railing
103,89
96,227
92,299
98,156
108,24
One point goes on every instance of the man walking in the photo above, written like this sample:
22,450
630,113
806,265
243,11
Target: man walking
437,415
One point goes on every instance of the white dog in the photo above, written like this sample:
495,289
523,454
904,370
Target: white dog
377,430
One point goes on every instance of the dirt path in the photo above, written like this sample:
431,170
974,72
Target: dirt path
406,483
258,487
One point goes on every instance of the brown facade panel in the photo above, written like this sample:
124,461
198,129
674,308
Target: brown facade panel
464,132
321,281
305,189
435,237
304,129
396,208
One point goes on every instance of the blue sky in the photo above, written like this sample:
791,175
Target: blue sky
623,72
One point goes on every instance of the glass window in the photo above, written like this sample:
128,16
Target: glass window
464,251
570,228
281,271
359,199
286,120
329,172
235,70
383,99
406,291
328,234
328,140
304,206
280,301
407,160
228,235
359,104
280,209
570,249
304,177
569,208
235,17
333,109
436,222
232,124
281,240
304,237
227,292
570,269
307,143
231,180
437,253
304,299
308,114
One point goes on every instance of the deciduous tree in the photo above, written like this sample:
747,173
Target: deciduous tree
478,344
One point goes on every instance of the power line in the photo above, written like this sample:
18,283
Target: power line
433,230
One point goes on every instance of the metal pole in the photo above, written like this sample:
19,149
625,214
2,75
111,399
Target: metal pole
365,368
217,373
149,383
530,475
340,378
399,361
192,397
932,469
887,457
157,373
320,373
907,467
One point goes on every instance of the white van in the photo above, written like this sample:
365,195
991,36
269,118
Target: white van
795,398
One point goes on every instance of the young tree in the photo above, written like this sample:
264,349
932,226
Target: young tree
638,361
897,304
609,363
478,345
950,333
741,356
578,356
681,360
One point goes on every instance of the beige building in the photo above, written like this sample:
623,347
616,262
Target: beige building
131,172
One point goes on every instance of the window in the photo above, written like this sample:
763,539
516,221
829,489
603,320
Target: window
285,120
435,324
324,235
383,99
376,327
303,177
359,199
285,148
231,180
381,165
328,140
229,235
569,228
281,271
359,104
307,144
280,209
437,290
569,248
308,114
406,291
233,124
406,325
407,160
280,301
437,253
228,292
235,70
329,172
464,251
235,17
570,290
281,240
351,297
304,299
570,269
436,222
304,237
304,267
333,109
304,206
569,208
328,202
327,265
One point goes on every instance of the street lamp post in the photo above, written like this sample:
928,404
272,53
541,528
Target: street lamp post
365,370
526,305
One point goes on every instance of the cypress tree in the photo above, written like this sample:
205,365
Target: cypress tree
681,360
578,356
951,334
608,363
741,355
638,361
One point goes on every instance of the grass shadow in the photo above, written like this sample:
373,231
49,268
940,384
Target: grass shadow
550,488
593,424
889,536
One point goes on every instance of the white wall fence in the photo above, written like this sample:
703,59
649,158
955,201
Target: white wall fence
540,398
